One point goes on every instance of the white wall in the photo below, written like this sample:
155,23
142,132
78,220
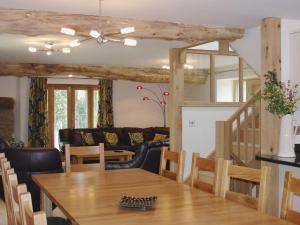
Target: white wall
199,131
290,56
131,110
249,48
17,88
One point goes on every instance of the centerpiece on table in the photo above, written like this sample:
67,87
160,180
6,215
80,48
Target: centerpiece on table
281,100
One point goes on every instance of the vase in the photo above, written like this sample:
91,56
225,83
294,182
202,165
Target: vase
286,144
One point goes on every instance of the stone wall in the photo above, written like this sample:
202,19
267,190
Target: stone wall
6,117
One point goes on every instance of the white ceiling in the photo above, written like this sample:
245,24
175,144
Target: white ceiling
234,13
148,53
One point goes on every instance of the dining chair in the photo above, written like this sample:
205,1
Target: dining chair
175,157
291,188
84,151
14,191
5,171
28,216
259,177
202,165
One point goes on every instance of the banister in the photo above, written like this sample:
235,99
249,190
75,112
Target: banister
244,106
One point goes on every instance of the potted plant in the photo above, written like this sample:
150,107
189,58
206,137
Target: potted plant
281,100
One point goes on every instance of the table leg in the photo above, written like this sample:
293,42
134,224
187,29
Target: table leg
46,204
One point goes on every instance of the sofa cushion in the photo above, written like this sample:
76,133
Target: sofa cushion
88,139
136,138
126,130
160,137
111,138
76,139
99,137
148,134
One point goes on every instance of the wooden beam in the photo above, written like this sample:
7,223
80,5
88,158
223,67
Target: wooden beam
270,124
148,75
176,89
34,23
210,52
213,80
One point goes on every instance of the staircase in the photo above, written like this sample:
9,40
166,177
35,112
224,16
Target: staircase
240,134
238,139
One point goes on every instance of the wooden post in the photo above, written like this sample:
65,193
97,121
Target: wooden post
212,79
270,124
176,89
241,80
223,139
224,46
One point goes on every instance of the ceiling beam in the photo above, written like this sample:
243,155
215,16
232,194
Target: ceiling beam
34,23
147,75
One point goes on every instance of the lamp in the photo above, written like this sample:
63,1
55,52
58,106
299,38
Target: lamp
159,98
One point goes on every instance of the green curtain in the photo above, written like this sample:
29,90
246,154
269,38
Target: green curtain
38,116
105,112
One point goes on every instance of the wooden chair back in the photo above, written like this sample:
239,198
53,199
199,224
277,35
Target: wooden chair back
84,151
175,157
256,176
202,164
291,188
28,216
5,171
14,191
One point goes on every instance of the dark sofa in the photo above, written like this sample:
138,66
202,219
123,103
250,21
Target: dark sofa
70,136
29,161
147,157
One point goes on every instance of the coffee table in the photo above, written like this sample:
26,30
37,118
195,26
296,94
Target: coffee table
120,155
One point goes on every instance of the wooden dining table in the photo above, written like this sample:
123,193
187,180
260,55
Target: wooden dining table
92,198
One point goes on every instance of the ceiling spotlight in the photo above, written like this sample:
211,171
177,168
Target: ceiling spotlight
189,67
66,50
130,42
127,30
49,53
48,45
74,43
94,34
70,75
32,49
67,31
166,67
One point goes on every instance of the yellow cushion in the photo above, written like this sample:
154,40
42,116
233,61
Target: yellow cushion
88,138
160,137
136,138
111,138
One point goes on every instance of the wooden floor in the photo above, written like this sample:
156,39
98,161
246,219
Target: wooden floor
3,219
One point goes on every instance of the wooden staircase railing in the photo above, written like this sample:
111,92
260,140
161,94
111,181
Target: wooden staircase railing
238,138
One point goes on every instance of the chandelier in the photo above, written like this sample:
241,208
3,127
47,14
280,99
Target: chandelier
49,48
101,37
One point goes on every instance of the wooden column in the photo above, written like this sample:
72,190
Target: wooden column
270,124
224,46
212,87
176,89
241,80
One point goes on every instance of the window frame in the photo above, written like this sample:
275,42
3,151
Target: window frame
71,88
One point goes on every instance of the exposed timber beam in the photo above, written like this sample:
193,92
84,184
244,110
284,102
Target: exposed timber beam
34,23
148,75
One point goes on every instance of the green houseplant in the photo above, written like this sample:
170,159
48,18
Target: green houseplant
281,100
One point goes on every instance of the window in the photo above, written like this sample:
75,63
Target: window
71,106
